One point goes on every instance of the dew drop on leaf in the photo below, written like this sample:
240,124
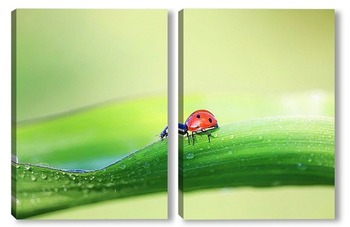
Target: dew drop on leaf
189,156
43,176
57,177
122,166
33,178
90,185
146,165
301,166
27,167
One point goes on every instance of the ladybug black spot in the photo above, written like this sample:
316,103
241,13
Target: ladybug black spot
198,116
210,120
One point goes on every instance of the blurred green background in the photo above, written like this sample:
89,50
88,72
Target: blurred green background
67,59
248,56
246,64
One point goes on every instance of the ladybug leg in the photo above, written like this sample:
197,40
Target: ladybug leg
209,137
188,138
193,138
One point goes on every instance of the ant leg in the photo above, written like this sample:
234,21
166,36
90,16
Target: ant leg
164,133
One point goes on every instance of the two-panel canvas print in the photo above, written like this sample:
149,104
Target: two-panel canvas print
256,114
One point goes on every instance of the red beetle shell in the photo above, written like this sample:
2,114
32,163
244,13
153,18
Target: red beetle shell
201,121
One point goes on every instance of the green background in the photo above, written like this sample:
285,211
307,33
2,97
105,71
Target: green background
278,54
67,59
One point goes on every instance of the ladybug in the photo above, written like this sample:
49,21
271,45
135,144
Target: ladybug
200,122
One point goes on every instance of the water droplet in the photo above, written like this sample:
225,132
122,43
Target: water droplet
215,135
146,165
109,185
57,177
229,152
201,149
301,166
65,189
33,178
122,166
232,137
260,137
27,167
43,176
18,166
90,185
189,155
309,160
208,147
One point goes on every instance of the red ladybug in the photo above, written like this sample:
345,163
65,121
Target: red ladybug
201,122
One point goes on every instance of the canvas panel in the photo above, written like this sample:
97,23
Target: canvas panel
89,98
266,151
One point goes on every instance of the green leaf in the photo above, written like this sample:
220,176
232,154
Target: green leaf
93,137
39,189
261,152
